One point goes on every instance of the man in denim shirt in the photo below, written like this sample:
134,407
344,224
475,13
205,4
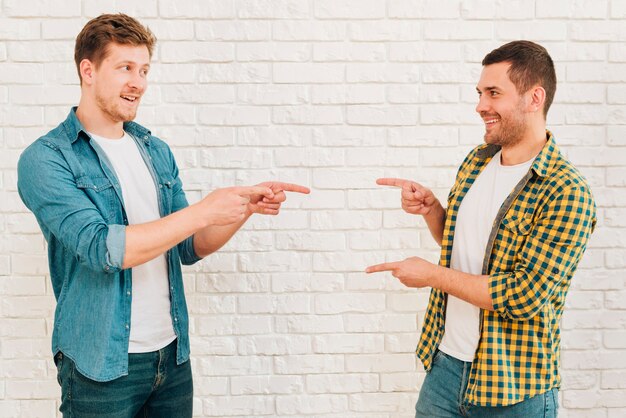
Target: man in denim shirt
110,203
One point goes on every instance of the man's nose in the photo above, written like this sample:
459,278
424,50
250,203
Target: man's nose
482,105
137,81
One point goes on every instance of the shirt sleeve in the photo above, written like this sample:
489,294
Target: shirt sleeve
553,248
48,188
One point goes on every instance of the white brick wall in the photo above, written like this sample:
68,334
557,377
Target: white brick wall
331,94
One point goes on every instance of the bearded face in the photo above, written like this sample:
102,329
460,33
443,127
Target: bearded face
120,81
501,107
507,127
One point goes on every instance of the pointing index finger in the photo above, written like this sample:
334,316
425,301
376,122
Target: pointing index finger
381,267
291,187
389,181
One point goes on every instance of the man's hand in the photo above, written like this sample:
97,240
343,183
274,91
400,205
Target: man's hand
416,199
270,205
412,272
417,272
229,208
230,205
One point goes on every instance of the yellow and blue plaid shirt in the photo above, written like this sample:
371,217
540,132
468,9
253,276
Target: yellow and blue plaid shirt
538,237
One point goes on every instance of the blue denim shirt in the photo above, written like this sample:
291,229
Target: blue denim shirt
71,187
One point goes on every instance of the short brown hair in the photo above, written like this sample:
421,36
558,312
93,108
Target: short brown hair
93,40
530,65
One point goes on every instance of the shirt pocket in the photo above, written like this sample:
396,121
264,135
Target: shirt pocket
517,225
101,193
166,191
507,249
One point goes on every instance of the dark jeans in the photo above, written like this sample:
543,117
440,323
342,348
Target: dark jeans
443,389
154,387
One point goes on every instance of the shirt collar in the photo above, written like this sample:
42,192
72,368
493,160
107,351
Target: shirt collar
75,129
547,158
544,162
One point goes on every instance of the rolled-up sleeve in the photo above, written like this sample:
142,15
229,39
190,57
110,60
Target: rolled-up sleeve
47,187
116,246
187,252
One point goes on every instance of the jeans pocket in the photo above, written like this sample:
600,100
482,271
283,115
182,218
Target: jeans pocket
551,404
555,400
58,362
438,355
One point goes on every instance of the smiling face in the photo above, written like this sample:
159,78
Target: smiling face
501,107
120,80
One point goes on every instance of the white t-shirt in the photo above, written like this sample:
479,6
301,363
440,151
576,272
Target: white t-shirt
474,222
150,320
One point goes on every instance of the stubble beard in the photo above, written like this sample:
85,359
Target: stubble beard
113,111
511,130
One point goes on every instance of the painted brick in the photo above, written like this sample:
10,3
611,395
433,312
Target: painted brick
332,95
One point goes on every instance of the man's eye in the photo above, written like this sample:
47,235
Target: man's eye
493,93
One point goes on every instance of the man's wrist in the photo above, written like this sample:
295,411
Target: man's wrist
249,212
203,217
434,276
435,212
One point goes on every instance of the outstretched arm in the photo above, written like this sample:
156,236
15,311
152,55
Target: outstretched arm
212,238
417,272
222,207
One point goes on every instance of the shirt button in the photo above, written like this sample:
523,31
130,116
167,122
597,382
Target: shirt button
126,326
145,137
128,292
106,268
175,319
160,186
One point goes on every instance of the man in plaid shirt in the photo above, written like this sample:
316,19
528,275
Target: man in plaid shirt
517,222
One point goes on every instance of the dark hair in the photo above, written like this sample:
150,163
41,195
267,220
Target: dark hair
93,40
530,65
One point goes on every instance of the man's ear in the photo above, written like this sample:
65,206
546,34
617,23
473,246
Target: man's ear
86,68
537,98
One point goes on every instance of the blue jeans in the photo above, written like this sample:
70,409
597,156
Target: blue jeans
444,387
154,387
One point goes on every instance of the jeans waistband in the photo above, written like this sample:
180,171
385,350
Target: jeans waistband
165,351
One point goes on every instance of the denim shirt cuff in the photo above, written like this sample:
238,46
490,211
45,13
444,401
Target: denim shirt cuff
116,246
187,252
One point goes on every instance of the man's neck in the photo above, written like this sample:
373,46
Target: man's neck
527,148
97,122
